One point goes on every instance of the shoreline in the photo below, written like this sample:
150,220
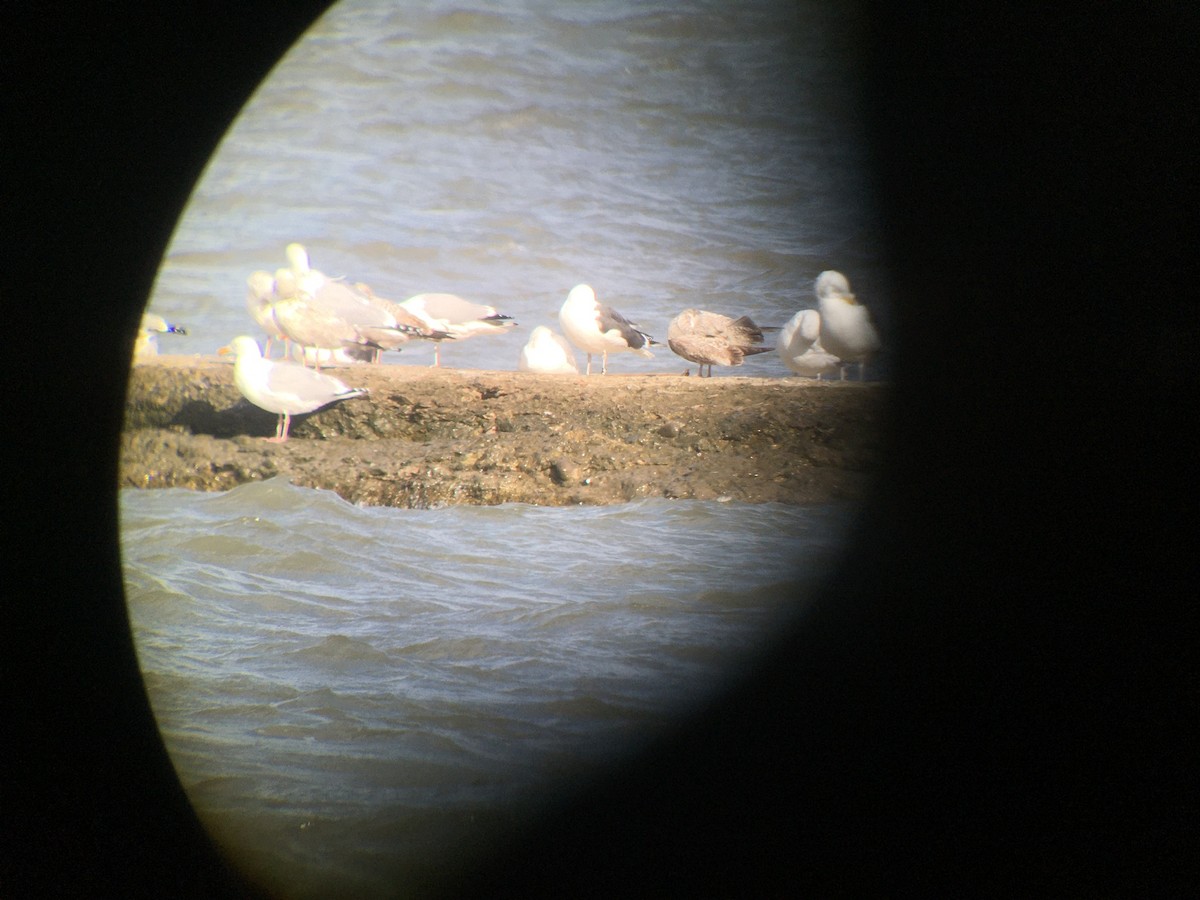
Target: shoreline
427,437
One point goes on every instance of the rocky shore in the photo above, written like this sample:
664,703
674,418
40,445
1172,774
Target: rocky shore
429,437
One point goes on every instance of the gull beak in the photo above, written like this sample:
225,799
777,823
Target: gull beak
224,350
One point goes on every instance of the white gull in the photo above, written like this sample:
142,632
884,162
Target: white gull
799,346
595,327
282,387
846,328
547,352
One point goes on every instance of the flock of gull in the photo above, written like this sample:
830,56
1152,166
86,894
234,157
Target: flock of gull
324,322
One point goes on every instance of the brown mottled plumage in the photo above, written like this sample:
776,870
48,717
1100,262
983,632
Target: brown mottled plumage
709,338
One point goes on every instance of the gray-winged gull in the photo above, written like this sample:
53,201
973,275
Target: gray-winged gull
709,338
378,322
458,317
596,327
799,346
547,352
846,328
282,387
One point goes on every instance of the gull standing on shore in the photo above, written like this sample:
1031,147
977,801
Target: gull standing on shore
799,346
283,388
323,315
595,327
261,295
708,338
457,317
846,328
547,352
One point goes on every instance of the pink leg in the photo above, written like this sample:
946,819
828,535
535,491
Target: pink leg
281,430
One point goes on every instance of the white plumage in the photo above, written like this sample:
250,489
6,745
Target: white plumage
846,328
595,327
547,352
282,387
799,346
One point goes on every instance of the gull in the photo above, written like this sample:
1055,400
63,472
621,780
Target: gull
709,338
282,387
456,317
323,314
377,322
319,358
846,329
260,300
595,327
547,352
799,346
312,327
145,345
306,278
406,320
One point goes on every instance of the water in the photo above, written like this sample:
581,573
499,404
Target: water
359,697
356,698
670,154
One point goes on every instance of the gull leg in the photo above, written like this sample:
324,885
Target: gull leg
603,362
281,430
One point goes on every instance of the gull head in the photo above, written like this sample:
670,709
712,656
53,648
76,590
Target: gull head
832,284
241,346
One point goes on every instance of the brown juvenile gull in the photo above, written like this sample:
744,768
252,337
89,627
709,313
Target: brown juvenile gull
846,328
709,338
596,327
282,387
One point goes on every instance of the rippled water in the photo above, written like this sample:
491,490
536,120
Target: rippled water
359,697
672,154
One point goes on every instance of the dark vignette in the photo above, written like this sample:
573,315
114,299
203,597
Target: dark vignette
995,693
